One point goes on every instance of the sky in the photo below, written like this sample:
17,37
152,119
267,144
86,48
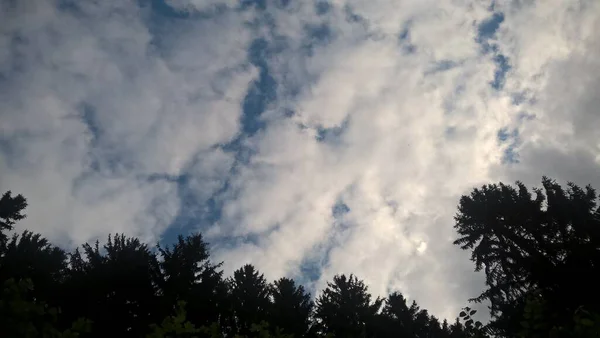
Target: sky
309,138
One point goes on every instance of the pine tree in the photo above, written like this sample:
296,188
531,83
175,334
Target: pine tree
291,307
527,243
345,308
188,275
248,300
118,285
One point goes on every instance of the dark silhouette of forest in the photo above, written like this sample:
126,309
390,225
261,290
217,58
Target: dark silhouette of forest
538,248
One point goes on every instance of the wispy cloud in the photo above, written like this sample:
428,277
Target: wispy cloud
308,138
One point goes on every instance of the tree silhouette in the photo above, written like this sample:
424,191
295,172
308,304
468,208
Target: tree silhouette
291,307
539,250
345,308
528,243
29,256
399,318
119,285
248,299
10,213
188,275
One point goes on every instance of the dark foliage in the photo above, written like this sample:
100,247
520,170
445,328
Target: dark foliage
539,250
248,299
10,212
188,275
544,242
292,307
345,308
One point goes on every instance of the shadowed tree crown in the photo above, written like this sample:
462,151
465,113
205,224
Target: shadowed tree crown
11,209
291,307
345,308
528,241
188,275
249,298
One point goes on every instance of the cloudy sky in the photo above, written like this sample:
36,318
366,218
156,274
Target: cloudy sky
306,137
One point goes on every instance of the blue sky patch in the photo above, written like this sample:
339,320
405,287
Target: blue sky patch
510,137
486,32
404,39
261,92
332,135
322,7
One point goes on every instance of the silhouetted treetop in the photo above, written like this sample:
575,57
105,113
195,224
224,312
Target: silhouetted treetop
528,241
538,248
292,307
345,308
11,209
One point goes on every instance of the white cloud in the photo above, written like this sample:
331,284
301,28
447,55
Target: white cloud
559,70
200,5
400,89
148,113
395,166
415,141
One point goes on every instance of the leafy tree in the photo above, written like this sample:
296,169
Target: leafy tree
10,213
21,315
29,256
471,327
525,241
345,308
174,326
118,286
291,307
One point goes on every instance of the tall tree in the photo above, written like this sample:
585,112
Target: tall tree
528,242
188,275
291,307
345,308
399,318
118,284
457,330
249,300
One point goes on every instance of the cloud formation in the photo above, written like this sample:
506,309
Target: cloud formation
308,138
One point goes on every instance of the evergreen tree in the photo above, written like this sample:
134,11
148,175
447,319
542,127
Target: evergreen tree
345,308
117,284
249,300
188,275
291,307
527,243
399,317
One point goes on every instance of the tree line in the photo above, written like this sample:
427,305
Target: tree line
538,248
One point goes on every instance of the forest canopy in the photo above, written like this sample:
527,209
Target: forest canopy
539,249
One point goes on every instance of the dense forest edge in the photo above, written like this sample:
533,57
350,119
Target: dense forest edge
538,248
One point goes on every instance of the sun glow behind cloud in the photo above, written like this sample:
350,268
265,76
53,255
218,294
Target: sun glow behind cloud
308,138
